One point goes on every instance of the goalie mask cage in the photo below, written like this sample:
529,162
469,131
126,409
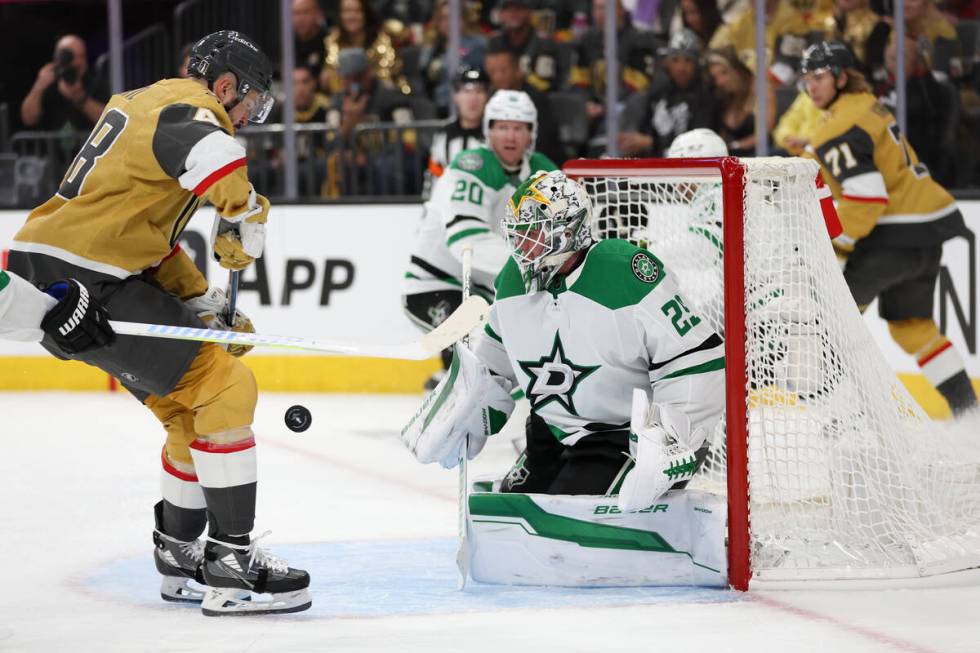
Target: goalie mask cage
830,467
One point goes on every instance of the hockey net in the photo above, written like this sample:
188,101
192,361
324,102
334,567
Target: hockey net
832,470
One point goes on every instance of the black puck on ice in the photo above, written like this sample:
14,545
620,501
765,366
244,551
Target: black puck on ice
298,418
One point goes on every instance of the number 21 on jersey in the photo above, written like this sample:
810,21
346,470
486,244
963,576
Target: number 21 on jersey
680,315
97,145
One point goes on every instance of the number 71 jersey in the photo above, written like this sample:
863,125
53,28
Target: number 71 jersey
154,155
616,323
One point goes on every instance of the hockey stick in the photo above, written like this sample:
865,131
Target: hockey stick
463,548
233,278
464,319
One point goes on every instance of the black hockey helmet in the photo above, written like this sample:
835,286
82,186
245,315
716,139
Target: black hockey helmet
230,51
466,74
832,55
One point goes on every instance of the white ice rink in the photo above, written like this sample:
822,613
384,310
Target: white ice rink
79,477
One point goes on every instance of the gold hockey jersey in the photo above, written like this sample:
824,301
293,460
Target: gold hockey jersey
884,194
155,154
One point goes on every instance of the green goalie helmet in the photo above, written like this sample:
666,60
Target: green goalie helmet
547,220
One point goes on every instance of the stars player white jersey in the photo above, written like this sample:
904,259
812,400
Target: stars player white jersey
615,323
465,208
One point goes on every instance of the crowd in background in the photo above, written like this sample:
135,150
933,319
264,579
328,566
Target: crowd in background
682,64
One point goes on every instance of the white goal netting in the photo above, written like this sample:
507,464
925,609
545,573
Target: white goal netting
847,476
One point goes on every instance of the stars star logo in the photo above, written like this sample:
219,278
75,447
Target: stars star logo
554,378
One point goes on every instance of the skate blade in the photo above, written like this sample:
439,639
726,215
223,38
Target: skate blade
227,602
178,589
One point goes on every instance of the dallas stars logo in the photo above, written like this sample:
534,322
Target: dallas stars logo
554,378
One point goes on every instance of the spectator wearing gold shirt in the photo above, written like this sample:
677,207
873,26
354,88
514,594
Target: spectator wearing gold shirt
852,22
360,27
789,27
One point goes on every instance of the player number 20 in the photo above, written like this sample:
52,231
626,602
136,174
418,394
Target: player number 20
98,143
680,315
467,191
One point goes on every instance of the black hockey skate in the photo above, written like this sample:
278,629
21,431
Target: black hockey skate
179,562
233,566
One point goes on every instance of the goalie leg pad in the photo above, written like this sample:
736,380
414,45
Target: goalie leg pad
469,401
536,539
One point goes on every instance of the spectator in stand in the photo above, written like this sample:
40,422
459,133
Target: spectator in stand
734,88
183,60
852,23
789,29
433,59
700,16
505,73
471,90
922,19
359,27
927,106
309,35
537,57
364,165
677,103
406,12
65,92
637,53
311,107
792,133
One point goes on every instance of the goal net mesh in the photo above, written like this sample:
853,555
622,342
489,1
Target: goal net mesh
847,476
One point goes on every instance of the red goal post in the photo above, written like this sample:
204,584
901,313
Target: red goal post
732,176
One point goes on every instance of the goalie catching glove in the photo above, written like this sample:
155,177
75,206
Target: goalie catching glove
239,240
662,447
212,307
469,401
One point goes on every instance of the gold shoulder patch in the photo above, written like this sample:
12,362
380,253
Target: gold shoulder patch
206,115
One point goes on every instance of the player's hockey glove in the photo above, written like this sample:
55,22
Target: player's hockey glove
78,322
662,447
469,405
238,240
212,307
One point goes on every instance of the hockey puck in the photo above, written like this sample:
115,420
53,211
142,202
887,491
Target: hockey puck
298,418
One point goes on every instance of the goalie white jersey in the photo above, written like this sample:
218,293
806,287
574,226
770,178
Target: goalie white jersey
615,323
465,208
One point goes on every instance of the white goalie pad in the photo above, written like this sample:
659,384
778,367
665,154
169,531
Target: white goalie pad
579,541
469,401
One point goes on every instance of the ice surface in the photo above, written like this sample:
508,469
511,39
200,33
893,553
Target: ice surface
79,476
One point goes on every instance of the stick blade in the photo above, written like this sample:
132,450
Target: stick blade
471,313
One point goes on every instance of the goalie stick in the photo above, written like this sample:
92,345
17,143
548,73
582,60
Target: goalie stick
463,547
464,319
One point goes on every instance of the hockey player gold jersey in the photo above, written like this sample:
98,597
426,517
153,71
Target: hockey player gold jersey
155,155
885,194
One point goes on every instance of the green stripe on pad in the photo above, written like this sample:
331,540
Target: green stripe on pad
490,332
558,527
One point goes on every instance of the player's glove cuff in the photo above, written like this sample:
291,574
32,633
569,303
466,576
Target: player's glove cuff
211,307
78,322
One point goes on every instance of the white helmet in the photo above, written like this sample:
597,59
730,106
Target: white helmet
511,105
547,220
697,143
